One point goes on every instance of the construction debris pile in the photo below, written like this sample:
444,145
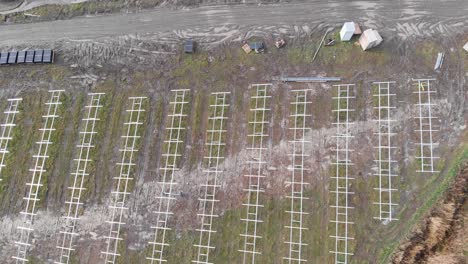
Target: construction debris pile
370,38
348,30
258,47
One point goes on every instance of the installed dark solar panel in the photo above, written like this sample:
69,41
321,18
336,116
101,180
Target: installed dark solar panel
38,56
3,58
30,56
48,56
12,57
21,57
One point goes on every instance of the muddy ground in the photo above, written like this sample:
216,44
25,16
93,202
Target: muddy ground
127,66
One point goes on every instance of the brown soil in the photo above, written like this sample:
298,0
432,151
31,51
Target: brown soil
442,238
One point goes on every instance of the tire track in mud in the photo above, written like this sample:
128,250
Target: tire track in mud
217,24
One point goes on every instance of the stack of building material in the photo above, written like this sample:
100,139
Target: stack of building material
246,48
348,30
27,56
258,47
370,38
279,43
439,61
189,46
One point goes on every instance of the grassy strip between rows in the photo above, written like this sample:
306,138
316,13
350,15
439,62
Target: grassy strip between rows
461,155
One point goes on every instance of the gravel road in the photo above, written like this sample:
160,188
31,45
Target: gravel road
403,19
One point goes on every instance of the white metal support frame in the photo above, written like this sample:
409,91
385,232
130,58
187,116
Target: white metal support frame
258,128
385,97
170,158
426,125
67,233
299,128
215,145
5,130
342,163
120,192
33,187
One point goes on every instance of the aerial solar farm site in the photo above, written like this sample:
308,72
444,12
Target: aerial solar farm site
233,132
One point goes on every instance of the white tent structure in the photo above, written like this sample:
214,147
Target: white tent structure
370,38
466,46
347,31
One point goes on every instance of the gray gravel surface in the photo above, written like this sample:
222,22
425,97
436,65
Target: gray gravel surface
400,18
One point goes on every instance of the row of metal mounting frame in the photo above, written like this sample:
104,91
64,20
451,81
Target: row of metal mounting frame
384,94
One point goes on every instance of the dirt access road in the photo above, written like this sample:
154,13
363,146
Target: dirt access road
399,18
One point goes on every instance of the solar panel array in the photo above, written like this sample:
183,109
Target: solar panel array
27,57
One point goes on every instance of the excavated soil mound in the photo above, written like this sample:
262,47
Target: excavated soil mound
442,237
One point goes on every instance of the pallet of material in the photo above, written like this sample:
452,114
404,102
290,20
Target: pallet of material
27,56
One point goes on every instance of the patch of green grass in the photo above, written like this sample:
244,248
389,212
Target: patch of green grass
192,71
28,123
228,240
57,73
137,130
199,105
301,54
110,130
55,12
340,56
13,147
56,137
62,165
101,127
427,53
34,260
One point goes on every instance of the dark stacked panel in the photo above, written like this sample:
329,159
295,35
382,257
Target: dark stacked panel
27,56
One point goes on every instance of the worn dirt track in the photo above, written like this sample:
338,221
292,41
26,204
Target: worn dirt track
400,18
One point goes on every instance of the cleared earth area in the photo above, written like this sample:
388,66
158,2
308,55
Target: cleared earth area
133,55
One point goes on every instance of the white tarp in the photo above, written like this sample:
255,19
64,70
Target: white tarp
370,38
347,31
466,47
